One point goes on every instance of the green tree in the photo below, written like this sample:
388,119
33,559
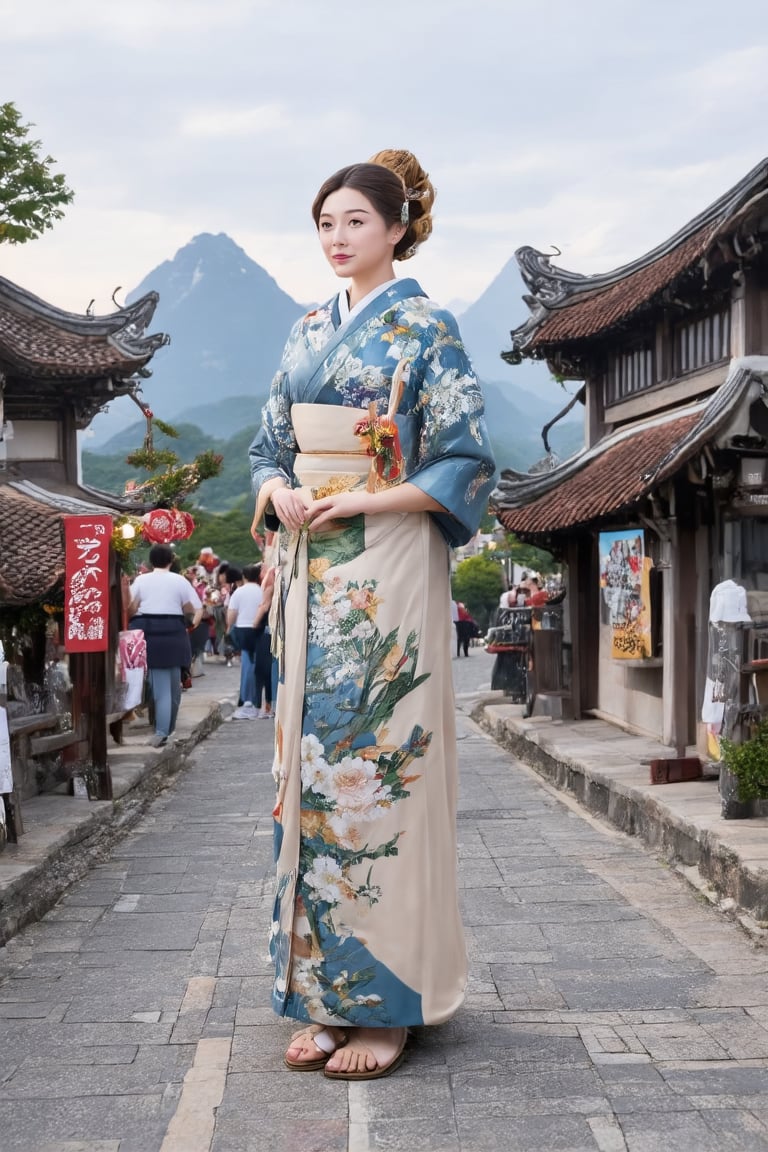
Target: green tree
228,533
170,481
527,556
31,196
477,583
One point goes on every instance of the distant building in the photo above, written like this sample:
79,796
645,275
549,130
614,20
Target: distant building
669,497
57,370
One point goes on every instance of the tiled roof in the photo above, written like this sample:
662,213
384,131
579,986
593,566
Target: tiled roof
32,560
609,482
32,536
567,307
629,463
586,317
38,341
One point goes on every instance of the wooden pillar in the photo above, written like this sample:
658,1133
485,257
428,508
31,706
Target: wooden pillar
96,663
584,619
677,550
572,601
88,671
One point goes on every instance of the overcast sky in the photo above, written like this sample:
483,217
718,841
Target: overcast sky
598,126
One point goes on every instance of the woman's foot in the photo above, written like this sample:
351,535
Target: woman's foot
312,1047
368,1054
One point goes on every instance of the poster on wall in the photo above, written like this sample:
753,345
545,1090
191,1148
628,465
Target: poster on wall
626,592
86,583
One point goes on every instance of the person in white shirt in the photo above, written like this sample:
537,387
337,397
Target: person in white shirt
246,618
159,602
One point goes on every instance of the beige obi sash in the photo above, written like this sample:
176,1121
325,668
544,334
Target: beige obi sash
330,458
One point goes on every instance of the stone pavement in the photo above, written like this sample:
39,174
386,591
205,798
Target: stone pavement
608,770
610,1007
63,835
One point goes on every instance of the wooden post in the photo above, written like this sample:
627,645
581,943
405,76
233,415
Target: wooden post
675,631
96,663
572,602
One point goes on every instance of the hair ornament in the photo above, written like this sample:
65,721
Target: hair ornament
410,252
415,194
405,214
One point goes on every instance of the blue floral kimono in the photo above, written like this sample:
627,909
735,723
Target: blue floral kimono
366,929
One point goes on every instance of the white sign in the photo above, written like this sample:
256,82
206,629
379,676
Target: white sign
6,775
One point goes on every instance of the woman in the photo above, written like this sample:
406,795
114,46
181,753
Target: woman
372,458
159,601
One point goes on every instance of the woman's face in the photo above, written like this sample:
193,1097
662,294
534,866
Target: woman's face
356,240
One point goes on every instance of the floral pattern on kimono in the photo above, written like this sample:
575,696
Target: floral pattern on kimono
351,777
377,744
440,418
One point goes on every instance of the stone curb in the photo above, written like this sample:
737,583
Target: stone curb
680,821
65,836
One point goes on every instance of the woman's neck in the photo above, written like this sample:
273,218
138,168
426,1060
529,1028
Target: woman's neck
363,286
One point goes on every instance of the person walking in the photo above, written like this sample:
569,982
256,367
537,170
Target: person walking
244,608
159,601
466,629
263,660
372,459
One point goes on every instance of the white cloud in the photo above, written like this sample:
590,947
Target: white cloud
139,22
172,117
236,122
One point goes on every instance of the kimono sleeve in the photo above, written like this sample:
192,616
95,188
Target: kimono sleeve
273,449
455,462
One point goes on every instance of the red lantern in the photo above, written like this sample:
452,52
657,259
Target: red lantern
158,526
183,524
167,524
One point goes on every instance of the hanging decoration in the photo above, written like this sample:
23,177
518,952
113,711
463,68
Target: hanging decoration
170,481
86,583
163,525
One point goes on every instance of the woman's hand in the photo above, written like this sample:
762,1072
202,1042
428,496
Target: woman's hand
339,507
290,507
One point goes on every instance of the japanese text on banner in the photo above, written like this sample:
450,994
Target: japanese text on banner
86,589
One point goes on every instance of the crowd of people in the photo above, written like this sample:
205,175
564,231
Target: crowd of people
202,614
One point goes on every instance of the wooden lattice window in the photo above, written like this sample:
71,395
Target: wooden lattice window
628,372
701,341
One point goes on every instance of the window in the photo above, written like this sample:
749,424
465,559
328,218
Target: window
702,341
627,373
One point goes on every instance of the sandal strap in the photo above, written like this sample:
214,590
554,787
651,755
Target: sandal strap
326,1041
322,1037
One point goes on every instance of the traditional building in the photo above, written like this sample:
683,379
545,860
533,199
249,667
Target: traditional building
57,370
669,496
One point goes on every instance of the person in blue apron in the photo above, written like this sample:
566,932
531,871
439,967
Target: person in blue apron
160,601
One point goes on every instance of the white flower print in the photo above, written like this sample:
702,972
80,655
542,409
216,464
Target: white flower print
325,879
315,771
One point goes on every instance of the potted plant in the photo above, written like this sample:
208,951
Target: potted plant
748,762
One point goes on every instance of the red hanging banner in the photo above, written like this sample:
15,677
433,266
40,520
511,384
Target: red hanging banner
86,587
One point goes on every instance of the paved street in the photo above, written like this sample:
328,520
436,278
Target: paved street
610,1007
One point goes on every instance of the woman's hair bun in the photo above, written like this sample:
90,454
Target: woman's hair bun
419,193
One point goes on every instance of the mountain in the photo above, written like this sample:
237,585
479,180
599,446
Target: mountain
485,329
228,320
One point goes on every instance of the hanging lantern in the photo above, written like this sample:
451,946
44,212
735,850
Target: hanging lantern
163,525
183,524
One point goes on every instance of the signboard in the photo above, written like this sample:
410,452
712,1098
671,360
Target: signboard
86,585
626,592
